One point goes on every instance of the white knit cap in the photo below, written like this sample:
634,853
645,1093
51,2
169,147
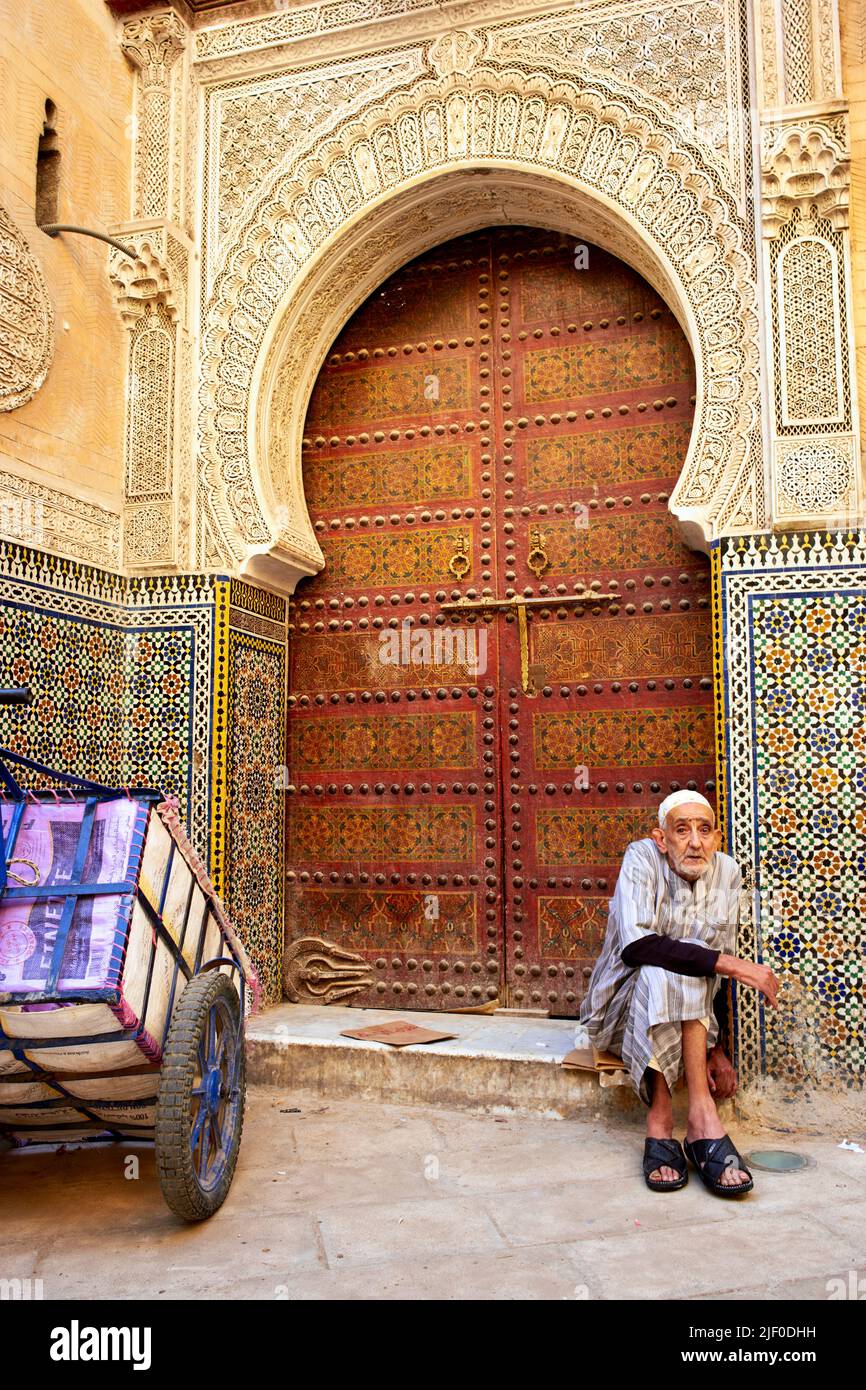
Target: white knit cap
679,799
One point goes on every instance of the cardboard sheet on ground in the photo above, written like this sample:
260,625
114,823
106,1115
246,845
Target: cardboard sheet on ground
590,1059
396,1034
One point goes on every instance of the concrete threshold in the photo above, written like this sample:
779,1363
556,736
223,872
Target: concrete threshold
496,1064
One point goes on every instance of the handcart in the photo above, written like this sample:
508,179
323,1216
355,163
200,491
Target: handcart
123,987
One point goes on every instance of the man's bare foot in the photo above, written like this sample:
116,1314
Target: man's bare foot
704,1123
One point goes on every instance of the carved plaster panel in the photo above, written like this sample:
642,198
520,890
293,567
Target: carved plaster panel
805,187
799,52
688,56
144,282
814,414
816,481
811,330
805,164
316,29
46,519
148,536
153,44
152,290
26,329
252,126
590,143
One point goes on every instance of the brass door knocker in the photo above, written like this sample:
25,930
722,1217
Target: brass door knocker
537,558
460,563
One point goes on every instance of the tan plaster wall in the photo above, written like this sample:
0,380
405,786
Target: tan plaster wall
852,18
70,435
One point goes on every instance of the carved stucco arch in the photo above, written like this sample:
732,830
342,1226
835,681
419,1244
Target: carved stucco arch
448,155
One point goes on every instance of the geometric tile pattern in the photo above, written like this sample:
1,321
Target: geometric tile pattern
254,830
139,682
795,691
120,671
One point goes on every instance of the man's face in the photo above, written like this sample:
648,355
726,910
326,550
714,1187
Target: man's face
689,839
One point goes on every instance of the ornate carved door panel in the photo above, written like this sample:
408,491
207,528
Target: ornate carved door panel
498,422
597,405
393,844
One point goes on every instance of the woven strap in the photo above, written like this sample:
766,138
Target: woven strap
715,1155
663,1153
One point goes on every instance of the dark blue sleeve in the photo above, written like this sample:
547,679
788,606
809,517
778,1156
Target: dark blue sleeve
680,957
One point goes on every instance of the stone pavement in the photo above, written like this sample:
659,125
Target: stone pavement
358,1200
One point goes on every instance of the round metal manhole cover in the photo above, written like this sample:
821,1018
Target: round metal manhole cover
779,1160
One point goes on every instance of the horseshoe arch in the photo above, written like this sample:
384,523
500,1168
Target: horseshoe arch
456,151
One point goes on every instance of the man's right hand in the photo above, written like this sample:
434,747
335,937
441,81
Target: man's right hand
748,972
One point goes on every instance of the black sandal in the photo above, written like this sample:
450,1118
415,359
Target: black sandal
712,1158
664,1153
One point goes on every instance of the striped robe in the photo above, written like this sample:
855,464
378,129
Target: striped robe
636,1013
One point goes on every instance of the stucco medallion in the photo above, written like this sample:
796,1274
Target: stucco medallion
26,336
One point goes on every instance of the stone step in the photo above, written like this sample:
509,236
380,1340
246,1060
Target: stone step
497,1063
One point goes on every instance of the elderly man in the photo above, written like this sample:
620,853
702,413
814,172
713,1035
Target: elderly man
671,936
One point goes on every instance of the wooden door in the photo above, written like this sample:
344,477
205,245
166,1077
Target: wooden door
500,424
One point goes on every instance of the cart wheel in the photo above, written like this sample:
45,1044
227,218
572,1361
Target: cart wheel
200,1104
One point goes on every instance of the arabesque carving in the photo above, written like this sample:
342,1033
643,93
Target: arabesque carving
805,165
587,144
143,283
151,289
26,330
153,45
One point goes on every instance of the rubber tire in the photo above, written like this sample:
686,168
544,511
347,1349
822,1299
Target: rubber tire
174,1161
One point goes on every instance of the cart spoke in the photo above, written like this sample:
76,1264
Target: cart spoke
205,1144
195,1133
217,1135
233,1067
